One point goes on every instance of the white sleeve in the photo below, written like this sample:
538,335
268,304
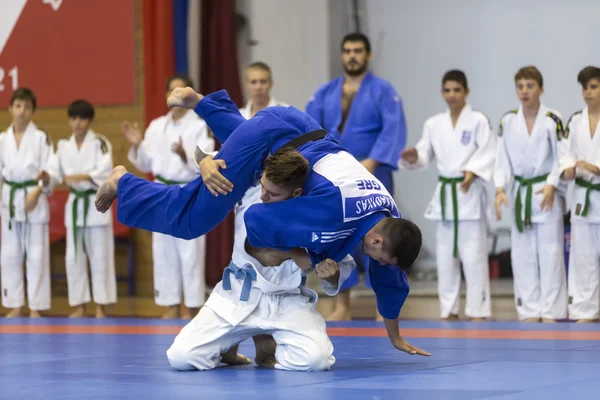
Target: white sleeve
481,162
346,266
46,155
104,166
424,150
197,137
502,169
555,138
566,156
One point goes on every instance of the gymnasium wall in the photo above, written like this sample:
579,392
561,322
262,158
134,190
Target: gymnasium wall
107,122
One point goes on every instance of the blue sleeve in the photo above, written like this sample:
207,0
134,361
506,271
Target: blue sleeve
290,223
392,139
390,286
314,108
220,113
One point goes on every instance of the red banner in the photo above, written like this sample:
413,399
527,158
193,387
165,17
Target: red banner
68,49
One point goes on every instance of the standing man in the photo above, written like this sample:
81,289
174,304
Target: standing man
166,151
259,82
365,114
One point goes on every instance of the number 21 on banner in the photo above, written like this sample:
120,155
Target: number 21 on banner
12,74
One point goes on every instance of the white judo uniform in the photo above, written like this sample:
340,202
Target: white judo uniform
25,236
246,111
178,264
462,218
525,163
584,257
89,232
253,299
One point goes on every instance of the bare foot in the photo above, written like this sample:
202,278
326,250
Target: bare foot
265,351
232,357
107,192
451,317
548,320
587,321
531,320
184,97
100,311
340,314
15,313
478,319
34,314
78,313
172,313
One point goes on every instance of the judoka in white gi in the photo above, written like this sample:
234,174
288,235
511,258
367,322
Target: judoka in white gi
259,82
580,161
83,162
527,170
262,294
463,145
166,151
24,153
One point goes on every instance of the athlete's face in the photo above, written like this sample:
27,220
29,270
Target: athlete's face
373,247
591,93
272,193
529,92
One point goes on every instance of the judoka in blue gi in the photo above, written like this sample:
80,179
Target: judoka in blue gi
343,203
365,114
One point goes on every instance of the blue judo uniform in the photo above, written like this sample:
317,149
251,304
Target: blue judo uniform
375,128
329,220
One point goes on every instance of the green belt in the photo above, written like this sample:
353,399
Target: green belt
85,195
14,186
528,196
589,187
168,182
451,181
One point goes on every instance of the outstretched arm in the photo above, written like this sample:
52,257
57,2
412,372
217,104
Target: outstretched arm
220,113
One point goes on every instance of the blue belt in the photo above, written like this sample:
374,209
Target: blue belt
248,274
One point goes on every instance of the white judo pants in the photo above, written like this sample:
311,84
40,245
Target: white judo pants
538,265
178,270
473,252
296,326
584,271
100,249
35,238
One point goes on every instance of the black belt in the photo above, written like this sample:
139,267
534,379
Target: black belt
307,137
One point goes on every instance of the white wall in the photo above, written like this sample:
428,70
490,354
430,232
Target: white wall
292,37
415,42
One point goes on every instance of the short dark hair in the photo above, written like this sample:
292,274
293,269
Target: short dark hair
587,74
357,37
82,109
402,240
24,94
186,80
530,72
287,167
456,75
261,66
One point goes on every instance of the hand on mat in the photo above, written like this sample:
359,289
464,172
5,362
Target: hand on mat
31,199
184,97
569,173
132,133
403,345
500,199
214,181
178,149
328,270
548,199
466,184
410,155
